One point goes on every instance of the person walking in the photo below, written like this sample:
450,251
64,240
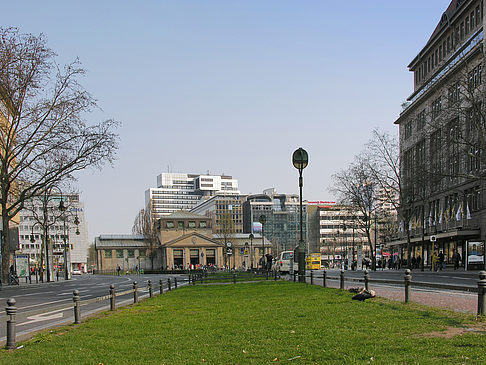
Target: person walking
456,258
441,260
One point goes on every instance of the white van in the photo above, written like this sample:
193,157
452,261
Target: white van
283,262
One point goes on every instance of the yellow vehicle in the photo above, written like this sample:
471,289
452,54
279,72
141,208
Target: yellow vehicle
313,262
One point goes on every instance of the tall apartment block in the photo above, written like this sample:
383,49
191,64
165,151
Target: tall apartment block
177,191
32,224
442,142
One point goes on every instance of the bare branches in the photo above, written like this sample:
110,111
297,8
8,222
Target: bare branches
44,138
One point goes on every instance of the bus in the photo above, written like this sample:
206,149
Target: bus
313,261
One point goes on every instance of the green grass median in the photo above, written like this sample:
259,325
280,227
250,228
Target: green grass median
261,323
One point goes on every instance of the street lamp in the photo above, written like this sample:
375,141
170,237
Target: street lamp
251,250
262,220
300,160
246,255
346,258
62,208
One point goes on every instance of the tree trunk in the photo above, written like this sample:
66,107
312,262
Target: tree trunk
5,245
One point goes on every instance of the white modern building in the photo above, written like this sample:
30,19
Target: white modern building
32,227
177,191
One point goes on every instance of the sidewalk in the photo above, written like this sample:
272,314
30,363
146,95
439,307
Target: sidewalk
457,301
24,282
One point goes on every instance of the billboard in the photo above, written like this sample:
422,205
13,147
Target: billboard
475,252
257,227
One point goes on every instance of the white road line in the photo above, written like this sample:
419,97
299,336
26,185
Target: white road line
45,303
28,295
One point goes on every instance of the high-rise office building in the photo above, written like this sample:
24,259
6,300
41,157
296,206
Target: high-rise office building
177,191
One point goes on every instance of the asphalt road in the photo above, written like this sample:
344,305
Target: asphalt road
462,278
43,305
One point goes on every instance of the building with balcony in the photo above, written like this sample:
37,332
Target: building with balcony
33,225
442,141
336,231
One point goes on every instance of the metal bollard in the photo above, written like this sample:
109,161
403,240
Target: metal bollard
202,279
275,275
189,281
312,277
193,279
11,311
161,287
234,278
367,279
266,275
168,284
135,292
77,309
482,293
408,284
151,293
324,278
175,283
342,279
112,297
295,275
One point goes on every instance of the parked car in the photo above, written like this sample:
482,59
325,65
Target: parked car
77,272
283,262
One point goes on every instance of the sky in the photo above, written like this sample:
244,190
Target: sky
231,87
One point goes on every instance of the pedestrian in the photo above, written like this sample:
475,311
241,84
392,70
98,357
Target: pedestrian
414,261
441,260
435,260
118,269
419,261
456,258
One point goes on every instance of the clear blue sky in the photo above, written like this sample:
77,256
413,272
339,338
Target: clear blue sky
232,87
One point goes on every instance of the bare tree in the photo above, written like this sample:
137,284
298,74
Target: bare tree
146,226
44,138
355,187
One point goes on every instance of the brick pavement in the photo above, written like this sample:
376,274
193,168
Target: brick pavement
458,301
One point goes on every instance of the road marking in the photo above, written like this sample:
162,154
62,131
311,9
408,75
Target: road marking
27,295
45,303
44,317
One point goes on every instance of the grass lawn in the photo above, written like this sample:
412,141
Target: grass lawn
261,323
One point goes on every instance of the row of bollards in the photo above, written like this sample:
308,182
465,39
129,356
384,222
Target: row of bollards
11,309
408,286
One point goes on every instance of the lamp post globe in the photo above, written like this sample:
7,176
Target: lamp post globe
300,160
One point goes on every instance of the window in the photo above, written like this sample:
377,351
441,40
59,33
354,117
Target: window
119,254
141,252
202,224
478,16
436,107
169,224
421,120
474,77
467,25
131,253
407,133
107,254
453,94
180,224
192,224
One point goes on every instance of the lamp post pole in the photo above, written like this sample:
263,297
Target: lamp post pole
300,160
262,220
251,250
246,255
